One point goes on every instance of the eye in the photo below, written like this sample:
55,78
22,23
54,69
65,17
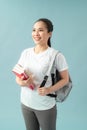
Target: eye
41,30
33,30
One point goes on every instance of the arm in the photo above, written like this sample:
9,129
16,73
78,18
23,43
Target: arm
64,80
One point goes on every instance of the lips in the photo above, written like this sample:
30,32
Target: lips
37,38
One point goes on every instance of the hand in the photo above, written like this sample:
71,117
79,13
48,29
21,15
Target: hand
43,91
28,81
23,82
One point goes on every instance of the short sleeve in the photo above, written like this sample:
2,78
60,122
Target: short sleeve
21,60
60,62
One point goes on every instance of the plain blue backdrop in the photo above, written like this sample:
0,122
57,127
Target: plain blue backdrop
70,37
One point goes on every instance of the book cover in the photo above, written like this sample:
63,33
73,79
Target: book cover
19,71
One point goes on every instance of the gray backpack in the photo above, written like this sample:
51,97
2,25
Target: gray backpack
63,92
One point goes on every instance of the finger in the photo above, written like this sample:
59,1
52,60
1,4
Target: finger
22,77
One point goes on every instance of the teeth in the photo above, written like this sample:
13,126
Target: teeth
37,38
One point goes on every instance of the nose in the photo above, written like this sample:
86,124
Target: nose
37,32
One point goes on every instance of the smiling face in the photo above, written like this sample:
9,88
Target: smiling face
40,33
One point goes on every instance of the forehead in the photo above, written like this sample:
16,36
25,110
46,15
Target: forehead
39,24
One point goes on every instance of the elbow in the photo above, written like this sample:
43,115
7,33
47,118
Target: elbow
67,80
17,80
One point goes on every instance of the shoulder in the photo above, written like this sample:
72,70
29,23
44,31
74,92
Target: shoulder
60,60
60,57
27,50
58,52
53,51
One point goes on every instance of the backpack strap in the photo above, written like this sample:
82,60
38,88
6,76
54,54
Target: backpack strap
50,70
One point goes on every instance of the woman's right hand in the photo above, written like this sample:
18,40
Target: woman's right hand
22,82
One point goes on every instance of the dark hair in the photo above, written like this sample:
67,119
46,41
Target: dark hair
49,26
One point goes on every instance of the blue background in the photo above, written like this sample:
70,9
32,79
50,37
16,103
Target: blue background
70,36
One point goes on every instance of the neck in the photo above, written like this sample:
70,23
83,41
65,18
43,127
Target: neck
39,49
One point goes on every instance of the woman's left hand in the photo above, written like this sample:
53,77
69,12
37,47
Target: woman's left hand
43,91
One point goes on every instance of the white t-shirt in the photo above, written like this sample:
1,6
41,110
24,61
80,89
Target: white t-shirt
38,64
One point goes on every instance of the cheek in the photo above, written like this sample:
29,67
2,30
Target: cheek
44,36
32,34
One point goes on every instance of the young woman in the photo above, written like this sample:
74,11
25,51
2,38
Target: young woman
39,110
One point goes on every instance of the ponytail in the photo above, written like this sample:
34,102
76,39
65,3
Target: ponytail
49,43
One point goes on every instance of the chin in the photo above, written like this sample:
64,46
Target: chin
37,43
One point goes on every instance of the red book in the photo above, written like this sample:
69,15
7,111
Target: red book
19,71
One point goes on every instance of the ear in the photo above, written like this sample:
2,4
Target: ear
50,34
